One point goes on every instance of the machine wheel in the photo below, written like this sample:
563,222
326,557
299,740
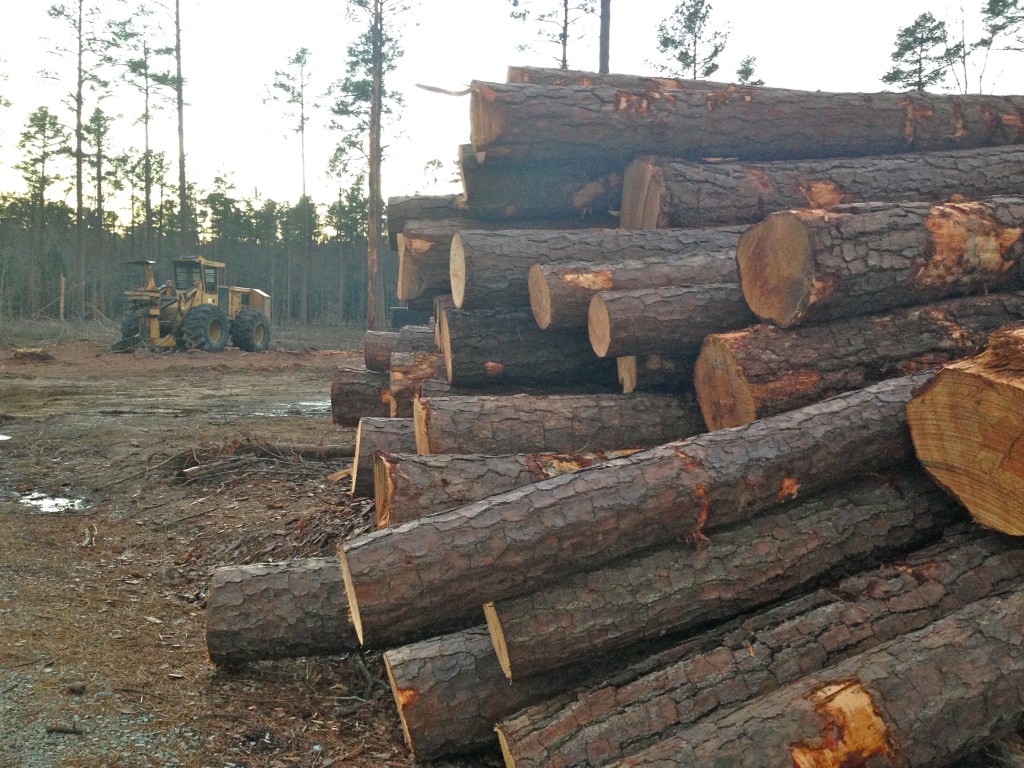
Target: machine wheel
250,330
129,333
205,327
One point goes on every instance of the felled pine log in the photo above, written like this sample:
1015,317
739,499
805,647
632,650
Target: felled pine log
422,207
655,373
378,434
427,575
423,248
671,320
813,265
515,123
408,486
276,611
922,699
662,191
496,424
561,285
406,376
967,431
762,370
740,660
357,392
683,586
377,349
501,347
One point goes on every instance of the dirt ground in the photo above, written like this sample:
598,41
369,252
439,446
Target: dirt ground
108,551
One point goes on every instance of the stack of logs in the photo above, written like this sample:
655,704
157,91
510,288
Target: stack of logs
648,495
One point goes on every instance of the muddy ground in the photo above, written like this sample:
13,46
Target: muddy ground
107,552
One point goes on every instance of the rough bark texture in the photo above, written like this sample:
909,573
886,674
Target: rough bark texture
378,434
423,249
967,431
670,320
416,338
814,265
377,349
755,656
408,486
522,123
420,208
502,347
276,611
561,285
655,373
923,699
355,393
763,370
408,372
497,424
425,574
684,586
665,192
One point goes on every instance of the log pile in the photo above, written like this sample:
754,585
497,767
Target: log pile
581,576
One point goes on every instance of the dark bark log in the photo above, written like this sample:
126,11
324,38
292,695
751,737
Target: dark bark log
378,434
763,370
408,372
967,431
424,575
276,611
738,662
420,208
355,393
416,338
578,266
665,192
682,587
528,123
655,373
813,265
504,347
409,486
671,320
377,349
498,424
923,699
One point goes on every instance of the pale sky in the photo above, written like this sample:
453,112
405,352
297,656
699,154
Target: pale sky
232,48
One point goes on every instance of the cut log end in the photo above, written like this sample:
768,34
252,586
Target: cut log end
350,594
506,750
599,326
383,490
540,296
627,373
498,638
776,267
457,270
641,196
404,697
421,425
486,120
723,393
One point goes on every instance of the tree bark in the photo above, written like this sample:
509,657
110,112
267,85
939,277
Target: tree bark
681,587
408,372
377,349
967,430
419,208
666,192
670,320
501,347
814,265
427,574
416,338
763,370
921,699
561,285
655,373
514,124
409,486
378,434
496,424
355,393
276,611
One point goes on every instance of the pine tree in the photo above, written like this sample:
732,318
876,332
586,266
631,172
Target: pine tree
556,21
690,41
745,72
922,56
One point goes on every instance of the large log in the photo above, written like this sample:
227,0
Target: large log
670,320
421,207
408,486
756,655
763,370
666,192
655,373
813,265
681,587
377,349
967,431
922,699
418,578
416,338
562,285
408,372
497,424
423,252
514,123
558,76
276,611
357,392
378,434
503,347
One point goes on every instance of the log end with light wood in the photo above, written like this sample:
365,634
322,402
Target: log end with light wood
642,189
724,396
378,434
457,270
968,433
540,296
655,373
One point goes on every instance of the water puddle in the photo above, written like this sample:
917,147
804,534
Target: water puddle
4,437
44,504
310,408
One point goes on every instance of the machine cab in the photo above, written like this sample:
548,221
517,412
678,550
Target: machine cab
192,272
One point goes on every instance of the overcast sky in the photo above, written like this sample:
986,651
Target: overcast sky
232,48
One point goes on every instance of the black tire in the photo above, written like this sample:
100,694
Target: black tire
205,327
250,331
129,333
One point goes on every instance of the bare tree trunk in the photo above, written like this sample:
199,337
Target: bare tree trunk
179,90
606,26
374,312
